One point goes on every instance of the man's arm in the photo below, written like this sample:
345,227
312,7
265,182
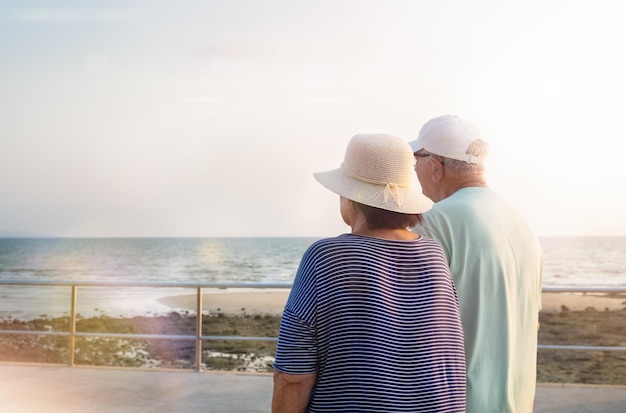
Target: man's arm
292,392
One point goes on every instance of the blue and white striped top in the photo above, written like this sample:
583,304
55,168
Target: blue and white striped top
379,322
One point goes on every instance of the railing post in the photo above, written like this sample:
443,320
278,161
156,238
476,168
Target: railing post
72,351
199,330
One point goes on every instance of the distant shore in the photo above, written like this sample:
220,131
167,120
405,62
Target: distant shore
273,302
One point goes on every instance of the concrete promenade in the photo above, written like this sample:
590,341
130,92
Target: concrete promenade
43,389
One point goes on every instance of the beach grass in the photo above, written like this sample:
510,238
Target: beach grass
582,328
218,354
565,327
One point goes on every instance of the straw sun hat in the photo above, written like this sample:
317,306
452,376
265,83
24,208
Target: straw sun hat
377,170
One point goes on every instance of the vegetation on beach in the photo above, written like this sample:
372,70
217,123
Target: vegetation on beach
179,353
582,328
589,327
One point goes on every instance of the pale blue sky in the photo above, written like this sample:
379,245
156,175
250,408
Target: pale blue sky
208,118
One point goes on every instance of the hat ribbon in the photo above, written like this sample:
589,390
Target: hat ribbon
389,189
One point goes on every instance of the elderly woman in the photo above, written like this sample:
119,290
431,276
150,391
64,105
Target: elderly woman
372,322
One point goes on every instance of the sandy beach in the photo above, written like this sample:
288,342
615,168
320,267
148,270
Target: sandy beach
577,301
272,302
259,302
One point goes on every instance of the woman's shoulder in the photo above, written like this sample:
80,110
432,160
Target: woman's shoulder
332,242
357,242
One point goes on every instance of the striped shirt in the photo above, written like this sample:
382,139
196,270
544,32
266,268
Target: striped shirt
378,321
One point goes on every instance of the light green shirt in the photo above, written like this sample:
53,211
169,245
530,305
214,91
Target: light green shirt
497,265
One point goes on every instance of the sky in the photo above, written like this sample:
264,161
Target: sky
208,118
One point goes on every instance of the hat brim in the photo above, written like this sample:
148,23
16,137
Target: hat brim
409,200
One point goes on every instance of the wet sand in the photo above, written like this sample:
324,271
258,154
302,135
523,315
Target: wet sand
259,302
273,302
578,302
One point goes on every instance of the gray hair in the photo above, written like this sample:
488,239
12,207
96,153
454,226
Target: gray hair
476,148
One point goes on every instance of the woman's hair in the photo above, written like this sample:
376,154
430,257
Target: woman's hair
382,219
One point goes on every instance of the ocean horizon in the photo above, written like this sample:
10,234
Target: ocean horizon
587,262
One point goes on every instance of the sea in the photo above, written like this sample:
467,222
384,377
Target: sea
569,262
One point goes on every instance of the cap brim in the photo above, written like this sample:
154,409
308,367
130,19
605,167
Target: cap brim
415,146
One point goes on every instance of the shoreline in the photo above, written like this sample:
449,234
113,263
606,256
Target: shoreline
273,302
264,302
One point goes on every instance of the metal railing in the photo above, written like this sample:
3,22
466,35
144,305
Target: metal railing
199,338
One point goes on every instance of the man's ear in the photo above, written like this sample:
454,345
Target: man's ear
437,169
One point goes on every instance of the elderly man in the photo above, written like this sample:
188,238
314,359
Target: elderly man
495,260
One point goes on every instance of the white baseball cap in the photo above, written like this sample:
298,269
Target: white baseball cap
449,136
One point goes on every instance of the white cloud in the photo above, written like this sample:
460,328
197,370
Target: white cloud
70,15
202,99
328,99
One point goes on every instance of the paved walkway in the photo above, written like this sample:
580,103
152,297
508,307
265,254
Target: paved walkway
52,389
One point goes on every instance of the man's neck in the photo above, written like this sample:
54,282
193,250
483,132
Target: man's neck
451,185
